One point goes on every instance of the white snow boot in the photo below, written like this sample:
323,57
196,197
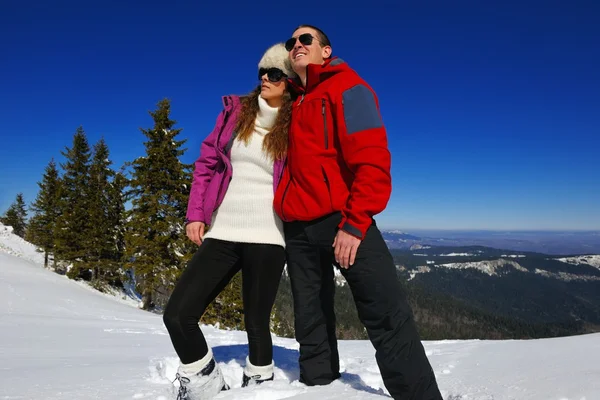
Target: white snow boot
201,380
254,375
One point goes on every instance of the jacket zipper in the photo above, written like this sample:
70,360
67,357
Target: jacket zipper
305,87
283,198
290,181
325,125
282,169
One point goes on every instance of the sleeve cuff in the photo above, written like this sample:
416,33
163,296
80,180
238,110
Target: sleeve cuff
351,229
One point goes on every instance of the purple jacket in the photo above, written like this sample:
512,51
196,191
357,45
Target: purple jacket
213,170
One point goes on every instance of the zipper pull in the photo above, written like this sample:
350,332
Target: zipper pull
301,99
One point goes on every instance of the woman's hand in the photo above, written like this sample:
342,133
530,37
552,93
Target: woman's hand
195,232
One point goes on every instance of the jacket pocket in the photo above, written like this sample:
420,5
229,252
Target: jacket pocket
310,126
338,191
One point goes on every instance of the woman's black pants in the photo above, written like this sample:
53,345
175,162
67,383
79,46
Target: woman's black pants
207,273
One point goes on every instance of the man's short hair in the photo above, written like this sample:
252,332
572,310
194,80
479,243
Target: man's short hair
321,35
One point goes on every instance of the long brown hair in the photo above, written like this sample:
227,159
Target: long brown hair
275,143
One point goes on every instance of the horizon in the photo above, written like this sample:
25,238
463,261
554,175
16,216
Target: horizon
491,109
524,230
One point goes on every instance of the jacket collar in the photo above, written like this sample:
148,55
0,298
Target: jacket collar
231,101
315,74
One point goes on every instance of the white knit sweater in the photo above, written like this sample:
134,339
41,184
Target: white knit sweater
246,213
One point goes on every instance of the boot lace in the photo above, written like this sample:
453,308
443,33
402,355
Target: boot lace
183,381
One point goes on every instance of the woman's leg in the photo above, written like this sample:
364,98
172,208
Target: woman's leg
207,273
261,274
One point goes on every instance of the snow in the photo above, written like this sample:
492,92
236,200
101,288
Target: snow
485,266
453,254
491,267
418,246
13,244
62,340
567,277
420,270
593,260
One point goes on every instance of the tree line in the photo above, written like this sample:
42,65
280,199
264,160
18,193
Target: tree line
108,225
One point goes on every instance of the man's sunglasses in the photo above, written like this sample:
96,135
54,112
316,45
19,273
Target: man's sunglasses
306,39
274,74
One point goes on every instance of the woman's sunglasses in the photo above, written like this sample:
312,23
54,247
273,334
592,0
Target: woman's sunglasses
306,39
274,74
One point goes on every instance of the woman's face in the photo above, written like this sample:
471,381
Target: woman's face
272,89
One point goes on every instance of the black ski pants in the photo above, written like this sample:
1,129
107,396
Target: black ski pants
380,301
207,273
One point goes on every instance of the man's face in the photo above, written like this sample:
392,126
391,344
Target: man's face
303,54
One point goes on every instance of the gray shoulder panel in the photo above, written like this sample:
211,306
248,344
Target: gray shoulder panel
335,62
360,109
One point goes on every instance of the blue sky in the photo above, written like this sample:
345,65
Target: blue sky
492,110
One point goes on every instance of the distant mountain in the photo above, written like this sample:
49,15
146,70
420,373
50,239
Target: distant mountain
468,292
533,241
553,293
399,236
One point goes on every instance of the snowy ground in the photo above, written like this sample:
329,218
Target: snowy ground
62,340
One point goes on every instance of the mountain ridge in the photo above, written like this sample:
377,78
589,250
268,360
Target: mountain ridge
549,242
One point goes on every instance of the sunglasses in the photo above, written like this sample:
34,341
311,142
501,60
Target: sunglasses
274,74
306,39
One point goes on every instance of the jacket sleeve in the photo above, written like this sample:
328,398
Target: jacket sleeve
204,170
364,146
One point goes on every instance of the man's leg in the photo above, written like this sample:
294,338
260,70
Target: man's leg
385,312
328,307
311,325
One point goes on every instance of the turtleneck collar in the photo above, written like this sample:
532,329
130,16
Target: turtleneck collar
266,116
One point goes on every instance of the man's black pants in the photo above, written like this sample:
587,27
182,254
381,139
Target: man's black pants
380,301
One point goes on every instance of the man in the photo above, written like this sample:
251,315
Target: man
337,177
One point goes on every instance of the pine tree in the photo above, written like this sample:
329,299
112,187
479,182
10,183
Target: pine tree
104,216
156,246
117,217
227,309
73,230
42,224
16,216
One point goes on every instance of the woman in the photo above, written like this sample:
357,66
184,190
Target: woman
232,191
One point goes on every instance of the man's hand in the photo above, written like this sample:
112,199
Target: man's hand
195,232
346,246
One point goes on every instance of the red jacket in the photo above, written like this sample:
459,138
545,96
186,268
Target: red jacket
338,158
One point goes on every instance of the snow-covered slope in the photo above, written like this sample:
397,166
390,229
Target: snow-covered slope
592,259
13,244
60,340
